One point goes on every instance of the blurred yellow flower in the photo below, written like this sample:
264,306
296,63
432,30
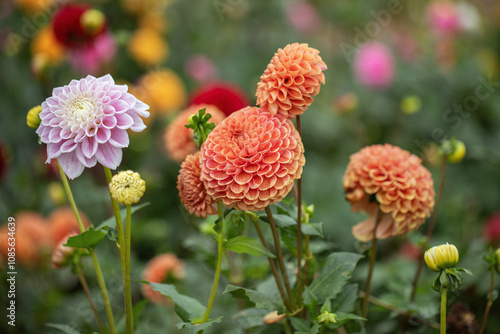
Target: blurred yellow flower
148,47
411,104
153,20
33,6
441,257
142,6
46,44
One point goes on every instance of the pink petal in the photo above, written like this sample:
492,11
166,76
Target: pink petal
124,121
109,122
109,156
120,106
53,151
71,165
119,138
103,134
89,147
68,146
86,162
138,125
55,135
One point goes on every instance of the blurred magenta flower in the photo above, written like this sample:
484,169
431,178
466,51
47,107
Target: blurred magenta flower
303,16
374,65
491,229
91,58
443,17
226,96
86,122
200,68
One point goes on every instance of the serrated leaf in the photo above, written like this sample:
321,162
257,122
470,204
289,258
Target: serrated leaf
301,325
342,318
250,318
311,302
334,275
187,308
111,221
63,328
198,327
88,239
315,229
252,246
260,300
346,300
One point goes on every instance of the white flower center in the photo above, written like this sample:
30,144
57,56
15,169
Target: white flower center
82,109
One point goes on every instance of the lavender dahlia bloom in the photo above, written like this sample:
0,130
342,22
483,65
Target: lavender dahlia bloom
86,122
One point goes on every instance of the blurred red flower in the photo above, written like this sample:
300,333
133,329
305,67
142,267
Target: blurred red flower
224,95
491,229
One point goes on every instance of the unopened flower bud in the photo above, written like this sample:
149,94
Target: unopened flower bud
33,118
273,317
127,187
411,104
56,193
61,254
327,318
497,255
441,257
92,21
458,152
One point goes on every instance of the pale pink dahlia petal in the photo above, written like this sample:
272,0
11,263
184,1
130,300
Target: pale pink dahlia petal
86,122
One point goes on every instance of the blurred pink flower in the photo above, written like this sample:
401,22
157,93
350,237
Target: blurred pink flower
443,17
163,268
303,16
200,68
491,229
86,122
89,59
374,65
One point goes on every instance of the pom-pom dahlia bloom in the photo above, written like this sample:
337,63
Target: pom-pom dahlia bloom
191,189
127,187
291,80
251,159
86,122
392,179
179,140
163,268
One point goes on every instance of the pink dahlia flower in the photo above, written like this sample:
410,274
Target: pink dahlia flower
291,80
392,179
443,17
251,159
374,65
86,122
91,58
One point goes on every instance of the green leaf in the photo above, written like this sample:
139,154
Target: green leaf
199,327
260,300
250,318
252,246
281,220
302,325
63,328
342,318
311,302
346,300
88,239
313,229
334,275
111,221
187,308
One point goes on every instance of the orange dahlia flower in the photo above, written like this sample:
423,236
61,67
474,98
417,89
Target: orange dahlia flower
291,80
392,179
251,159
61,253
63,221
163,268
191,189
179,140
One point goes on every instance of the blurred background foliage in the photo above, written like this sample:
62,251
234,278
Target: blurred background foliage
239,37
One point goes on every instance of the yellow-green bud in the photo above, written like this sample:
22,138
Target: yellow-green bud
127,187
458,152
411,104
92,21
497,255
441,257
33,117
56,193
328,318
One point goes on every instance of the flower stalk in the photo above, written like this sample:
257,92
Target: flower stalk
373,255
490,301
443,311
85,287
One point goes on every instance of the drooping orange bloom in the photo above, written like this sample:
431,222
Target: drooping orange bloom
179,140
63,221
392,179
61,253
251,159
163,268
291,80
192,190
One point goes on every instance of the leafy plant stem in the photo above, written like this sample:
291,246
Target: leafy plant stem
95,262
126,281
85,287
490,301
443,311
286,326
273,266
373,255
279,255
220,254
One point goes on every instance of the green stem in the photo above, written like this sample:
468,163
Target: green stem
299,229
373,255
489,303
220,254
279,255
443,310
128,295
286,326
98,271
273,266
85,287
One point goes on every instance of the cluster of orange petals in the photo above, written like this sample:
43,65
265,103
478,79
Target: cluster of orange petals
251,159
392,179
60,253
162,268
191,189
179,141
291,80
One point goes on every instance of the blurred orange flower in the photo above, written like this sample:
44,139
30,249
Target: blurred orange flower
251,159
179,141
392,179
191,189
33,6
61,253
163,268
46,45
148,47
62,222
291,80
